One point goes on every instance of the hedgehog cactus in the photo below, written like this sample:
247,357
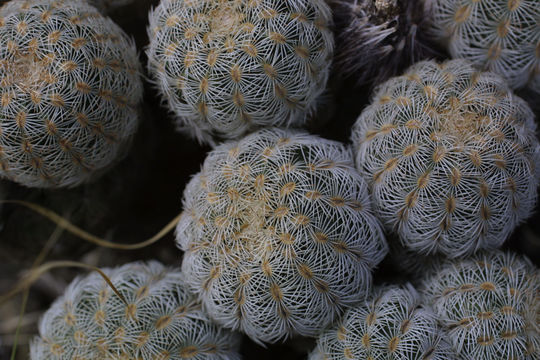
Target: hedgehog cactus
490,305
279,234
69,86
228,67
502,36
392,324
451,157
161,320
376,39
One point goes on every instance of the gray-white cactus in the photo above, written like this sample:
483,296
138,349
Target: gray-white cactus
161,320
451,157
279,234
229,67
490,305
392,324
69,88
502,36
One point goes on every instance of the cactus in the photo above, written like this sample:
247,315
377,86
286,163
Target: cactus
279,234
490,305
498,35
162,320
451,158
228,67
392,324
69,87
377,39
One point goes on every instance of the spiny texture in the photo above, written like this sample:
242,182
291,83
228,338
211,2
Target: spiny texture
279,234
376,39
162,320
228,67
490,305
451,157
69,87
391,325
502,36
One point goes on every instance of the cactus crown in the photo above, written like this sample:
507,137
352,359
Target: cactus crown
490,305
229,67
69,85
451,157
162,320
279,234
497,35
392,324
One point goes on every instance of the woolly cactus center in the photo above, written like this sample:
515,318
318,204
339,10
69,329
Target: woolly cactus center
226,18
26,72
459,122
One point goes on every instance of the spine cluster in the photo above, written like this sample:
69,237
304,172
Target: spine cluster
279,234
451,157
228,67
490,305
391,324
69,88
497,35
161,320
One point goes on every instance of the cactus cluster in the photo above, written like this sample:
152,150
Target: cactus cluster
229,67
502,36
451,157
69,88
376,39
161,320
490,305
392,324
279,234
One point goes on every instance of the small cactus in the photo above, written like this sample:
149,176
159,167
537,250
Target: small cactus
377,39
497,35
228,67
392,324
69,87
490,305
279,234
162,320
451,157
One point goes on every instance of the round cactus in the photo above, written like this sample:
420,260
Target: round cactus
279,234
502,36
162,320
379,39
392,324
228,67
451,158
69,87
490,305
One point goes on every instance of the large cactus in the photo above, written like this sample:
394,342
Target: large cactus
69,88
279,234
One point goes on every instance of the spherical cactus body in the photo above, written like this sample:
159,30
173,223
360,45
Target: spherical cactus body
490,305
229,67
379,39
502,36
451,157
69,87
392,324
161,320
279,234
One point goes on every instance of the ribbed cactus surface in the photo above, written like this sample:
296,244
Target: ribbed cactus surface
490,305
228,67
69,87
502,36
161,320
451,157
392,324
279,234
